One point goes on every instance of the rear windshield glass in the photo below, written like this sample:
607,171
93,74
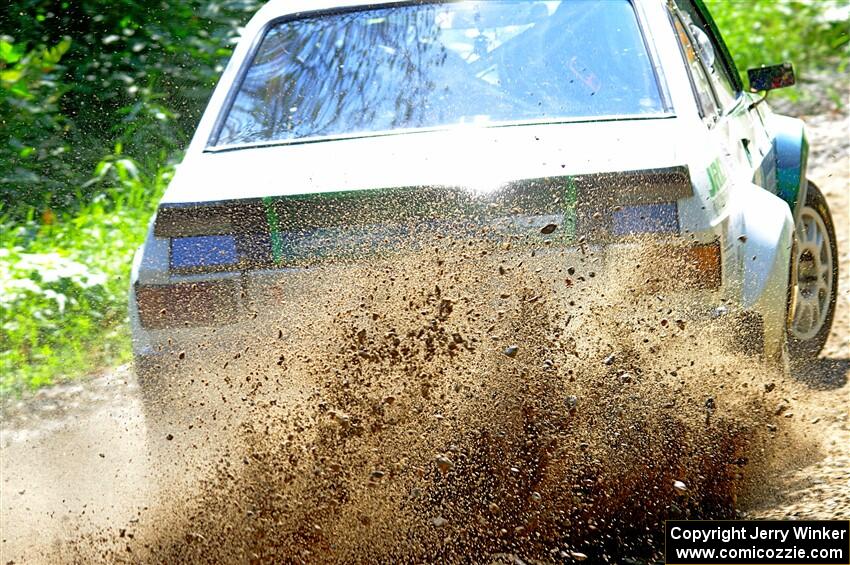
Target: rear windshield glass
435,65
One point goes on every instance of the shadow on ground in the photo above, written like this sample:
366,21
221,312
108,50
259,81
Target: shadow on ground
824,373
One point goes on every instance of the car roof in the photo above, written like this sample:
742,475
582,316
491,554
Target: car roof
278,8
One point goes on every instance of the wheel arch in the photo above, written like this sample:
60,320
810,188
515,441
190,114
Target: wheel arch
791,155
763,256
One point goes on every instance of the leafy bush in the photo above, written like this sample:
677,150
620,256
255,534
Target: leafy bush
32,160
135,73
812,34
63,284
78,78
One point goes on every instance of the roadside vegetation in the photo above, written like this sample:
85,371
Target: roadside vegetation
97,100
812,34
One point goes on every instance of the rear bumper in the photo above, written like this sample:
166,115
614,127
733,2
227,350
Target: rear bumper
275,304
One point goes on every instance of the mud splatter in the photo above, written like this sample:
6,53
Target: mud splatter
396,427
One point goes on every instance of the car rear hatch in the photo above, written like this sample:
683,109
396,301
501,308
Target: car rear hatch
222,253
291,231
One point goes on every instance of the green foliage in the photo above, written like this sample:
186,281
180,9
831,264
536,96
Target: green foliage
78,78
135,73
63,280
32,158
813,35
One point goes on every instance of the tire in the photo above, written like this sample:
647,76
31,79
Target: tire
816,284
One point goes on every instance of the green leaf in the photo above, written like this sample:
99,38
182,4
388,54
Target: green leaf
11,76
10,53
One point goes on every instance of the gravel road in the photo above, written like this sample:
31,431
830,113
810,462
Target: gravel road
75,459
817,485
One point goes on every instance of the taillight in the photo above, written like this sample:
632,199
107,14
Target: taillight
675,267
616,206
205,252
190,304
645,219
227,236
701,265
186,220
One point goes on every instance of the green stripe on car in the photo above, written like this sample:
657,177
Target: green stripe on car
274,229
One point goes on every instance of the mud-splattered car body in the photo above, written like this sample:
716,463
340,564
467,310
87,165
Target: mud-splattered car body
713,178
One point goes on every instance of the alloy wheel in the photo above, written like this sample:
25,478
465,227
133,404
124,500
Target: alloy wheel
814,275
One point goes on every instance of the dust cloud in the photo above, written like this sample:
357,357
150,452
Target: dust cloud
463,403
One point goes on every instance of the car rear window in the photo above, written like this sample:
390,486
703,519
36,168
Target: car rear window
443,64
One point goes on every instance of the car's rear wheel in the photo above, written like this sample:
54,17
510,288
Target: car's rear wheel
815,286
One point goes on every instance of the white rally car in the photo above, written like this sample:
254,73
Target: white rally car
338,124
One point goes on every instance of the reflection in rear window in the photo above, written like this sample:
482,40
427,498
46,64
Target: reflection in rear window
432,65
